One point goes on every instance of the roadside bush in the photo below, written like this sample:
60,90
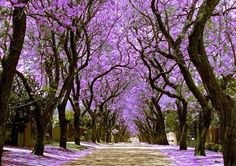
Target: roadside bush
214,147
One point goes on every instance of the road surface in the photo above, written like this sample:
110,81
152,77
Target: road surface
123,155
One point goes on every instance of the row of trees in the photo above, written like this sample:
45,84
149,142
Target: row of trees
183,54
130,58
64,48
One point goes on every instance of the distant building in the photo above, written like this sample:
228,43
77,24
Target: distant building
24,138
56,133
213,135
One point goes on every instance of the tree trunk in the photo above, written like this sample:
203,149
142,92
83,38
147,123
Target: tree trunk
14,135
98,137
183,137
9,64
63,125
204,124
183,126
108,137
161,138
103,134
93,130
77,133
39,145
201,140
228,135
159,135
2,139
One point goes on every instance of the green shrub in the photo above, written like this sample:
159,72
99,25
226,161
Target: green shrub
217,147
209,146
191,143
213,147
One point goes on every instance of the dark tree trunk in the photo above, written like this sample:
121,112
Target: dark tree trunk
158,136
108,137
39,144
9,64
98,136
14,135
41,125
41,130
201,138
63,125
200,144
228,134
183,137
103,134
148,139
77,133
161,138
204,124
153,139
93,130
62,115
1,153
183,126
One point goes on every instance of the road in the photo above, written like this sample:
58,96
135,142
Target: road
123,155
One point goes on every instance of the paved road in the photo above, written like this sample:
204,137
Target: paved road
123,155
